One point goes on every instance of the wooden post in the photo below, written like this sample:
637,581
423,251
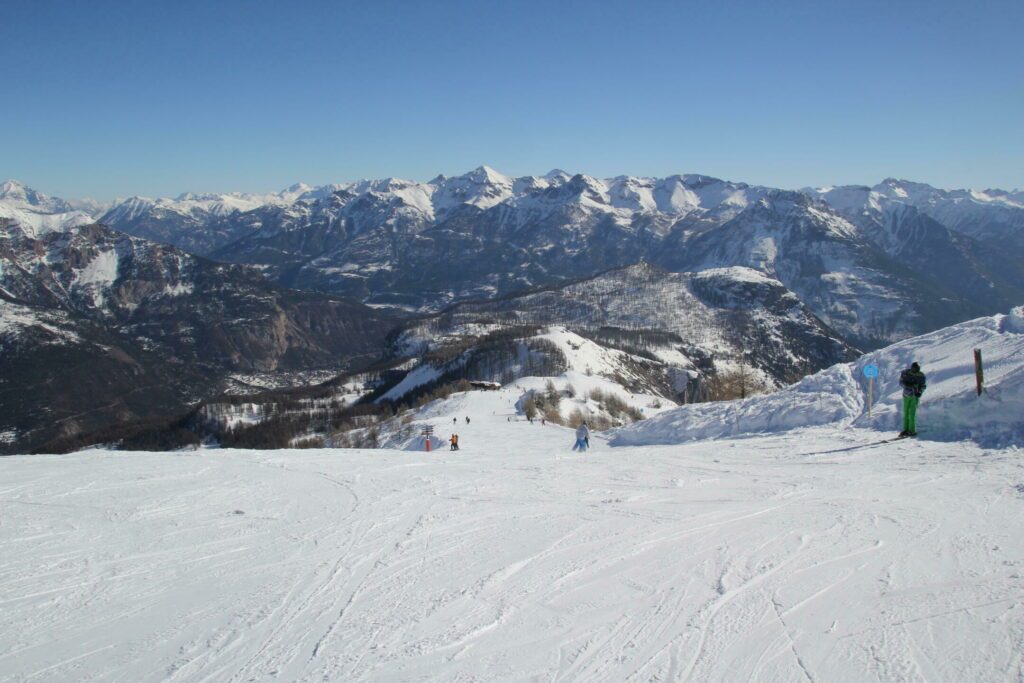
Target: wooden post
871,372
979,374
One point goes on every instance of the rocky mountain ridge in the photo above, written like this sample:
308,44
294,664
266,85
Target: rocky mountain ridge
702,322
875,266
98,326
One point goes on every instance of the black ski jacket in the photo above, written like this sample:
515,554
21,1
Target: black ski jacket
913,382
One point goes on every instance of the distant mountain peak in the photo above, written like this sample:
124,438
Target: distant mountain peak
14,190
695,180
18,197
11,186
785,199
486,174
904,189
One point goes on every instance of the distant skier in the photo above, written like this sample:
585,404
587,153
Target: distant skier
455,420
467,419
913,382
454,442
582,438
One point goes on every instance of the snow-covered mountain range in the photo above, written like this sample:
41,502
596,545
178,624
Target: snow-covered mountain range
817,271
877,263
986,214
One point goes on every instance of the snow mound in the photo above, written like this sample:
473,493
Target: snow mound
423,374
950,409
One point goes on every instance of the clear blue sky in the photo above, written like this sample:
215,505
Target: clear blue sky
117,98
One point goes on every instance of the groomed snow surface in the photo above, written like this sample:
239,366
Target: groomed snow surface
805,555
819,553
512,560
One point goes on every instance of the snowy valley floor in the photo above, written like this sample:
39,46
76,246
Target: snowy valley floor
796,556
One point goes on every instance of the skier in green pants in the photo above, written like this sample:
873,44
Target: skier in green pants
913,382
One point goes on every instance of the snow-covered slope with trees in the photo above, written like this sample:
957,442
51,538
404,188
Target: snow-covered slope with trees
98,327
716,319
503,354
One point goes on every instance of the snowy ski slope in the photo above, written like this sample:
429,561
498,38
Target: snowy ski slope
812,554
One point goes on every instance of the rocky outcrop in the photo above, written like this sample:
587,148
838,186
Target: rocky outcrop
98,326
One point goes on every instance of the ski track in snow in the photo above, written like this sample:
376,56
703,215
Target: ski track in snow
765,558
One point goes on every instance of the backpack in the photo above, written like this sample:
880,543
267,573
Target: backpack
912,382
